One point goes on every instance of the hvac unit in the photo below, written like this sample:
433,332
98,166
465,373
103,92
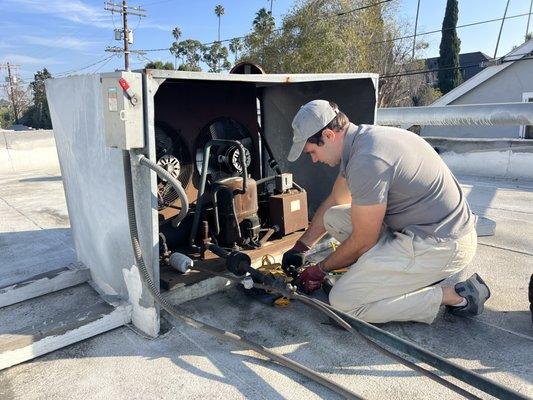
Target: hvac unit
218,135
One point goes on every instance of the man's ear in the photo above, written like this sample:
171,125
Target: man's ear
329,134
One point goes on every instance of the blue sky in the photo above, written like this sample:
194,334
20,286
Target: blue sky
68,35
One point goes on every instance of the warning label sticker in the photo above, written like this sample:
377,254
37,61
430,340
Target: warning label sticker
112,99
295,205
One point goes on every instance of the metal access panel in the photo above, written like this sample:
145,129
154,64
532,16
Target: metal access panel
123,109
93,178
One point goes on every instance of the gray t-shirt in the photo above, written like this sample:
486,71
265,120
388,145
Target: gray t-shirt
383,164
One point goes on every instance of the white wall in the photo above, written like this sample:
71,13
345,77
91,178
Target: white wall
22,151
495,158
504,87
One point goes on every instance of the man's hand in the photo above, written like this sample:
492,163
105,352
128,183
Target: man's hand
311,279
294,259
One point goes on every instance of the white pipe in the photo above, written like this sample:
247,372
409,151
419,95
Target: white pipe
471,114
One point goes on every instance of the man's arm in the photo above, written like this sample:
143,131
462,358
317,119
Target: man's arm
366,227
340,194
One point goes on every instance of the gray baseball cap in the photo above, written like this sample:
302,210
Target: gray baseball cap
310,119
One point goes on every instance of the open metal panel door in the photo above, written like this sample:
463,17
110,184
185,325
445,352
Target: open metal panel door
356,96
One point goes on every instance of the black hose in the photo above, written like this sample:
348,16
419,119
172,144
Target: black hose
320,306
351,326
470,377
272,163
169,308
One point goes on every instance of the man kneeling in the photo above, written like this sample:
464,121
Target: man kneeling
400,215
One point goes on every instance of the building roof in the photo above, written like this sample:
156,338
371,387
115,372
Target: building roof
464,58
487,73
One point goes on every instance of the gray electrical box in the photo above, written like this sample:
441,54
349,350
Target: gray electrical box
123,109
283,182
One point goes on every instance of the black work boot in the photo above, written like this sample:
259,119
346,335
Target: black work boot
476,292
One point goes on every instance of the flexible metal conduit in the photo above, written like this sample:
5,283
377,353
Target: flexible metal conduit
169,308
471,114
163,173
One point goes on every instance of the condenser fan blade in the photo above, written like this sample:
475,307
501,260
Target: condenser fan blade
221,128
173,156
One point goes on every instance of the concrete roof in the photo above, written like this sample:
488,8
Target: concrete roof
184,363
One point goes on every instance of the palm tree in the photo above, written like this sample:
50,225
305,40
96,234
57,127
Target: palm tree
176,32
235,46
271,1
263,21
219,11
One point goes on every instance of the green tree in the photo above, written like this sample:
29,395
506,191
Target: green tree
260,44
216,57
219,12
176,32
449,75
425,95
235,46
6,114
38,114
159,65
190,52
327,36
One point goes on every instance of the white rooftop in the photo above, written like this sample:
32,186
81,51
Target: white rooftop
183,363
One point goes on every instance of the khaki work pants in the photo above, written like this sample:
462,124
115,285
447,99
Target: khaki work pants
395,279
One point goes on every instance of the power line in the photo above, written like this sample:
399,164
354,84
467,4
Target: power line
528,18
360,8
339,14
85,67
501,28
416,26
123,9
446,29
104,63
381,41
527,56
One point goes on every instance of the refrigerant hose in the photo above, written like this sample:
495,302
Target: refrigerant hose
332,313
164,174
412,349
366,330
169,308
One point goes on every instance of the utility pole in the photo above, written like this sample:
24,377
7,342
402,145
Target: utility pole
528,18
416,26
10,85
501,28
127,36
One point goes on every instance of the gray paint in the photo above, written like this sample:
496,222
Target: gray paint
94,187
472,145
505,87
501,158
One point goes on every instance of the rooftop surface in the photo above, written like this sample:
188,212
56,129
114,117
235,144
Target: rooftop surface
183,363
